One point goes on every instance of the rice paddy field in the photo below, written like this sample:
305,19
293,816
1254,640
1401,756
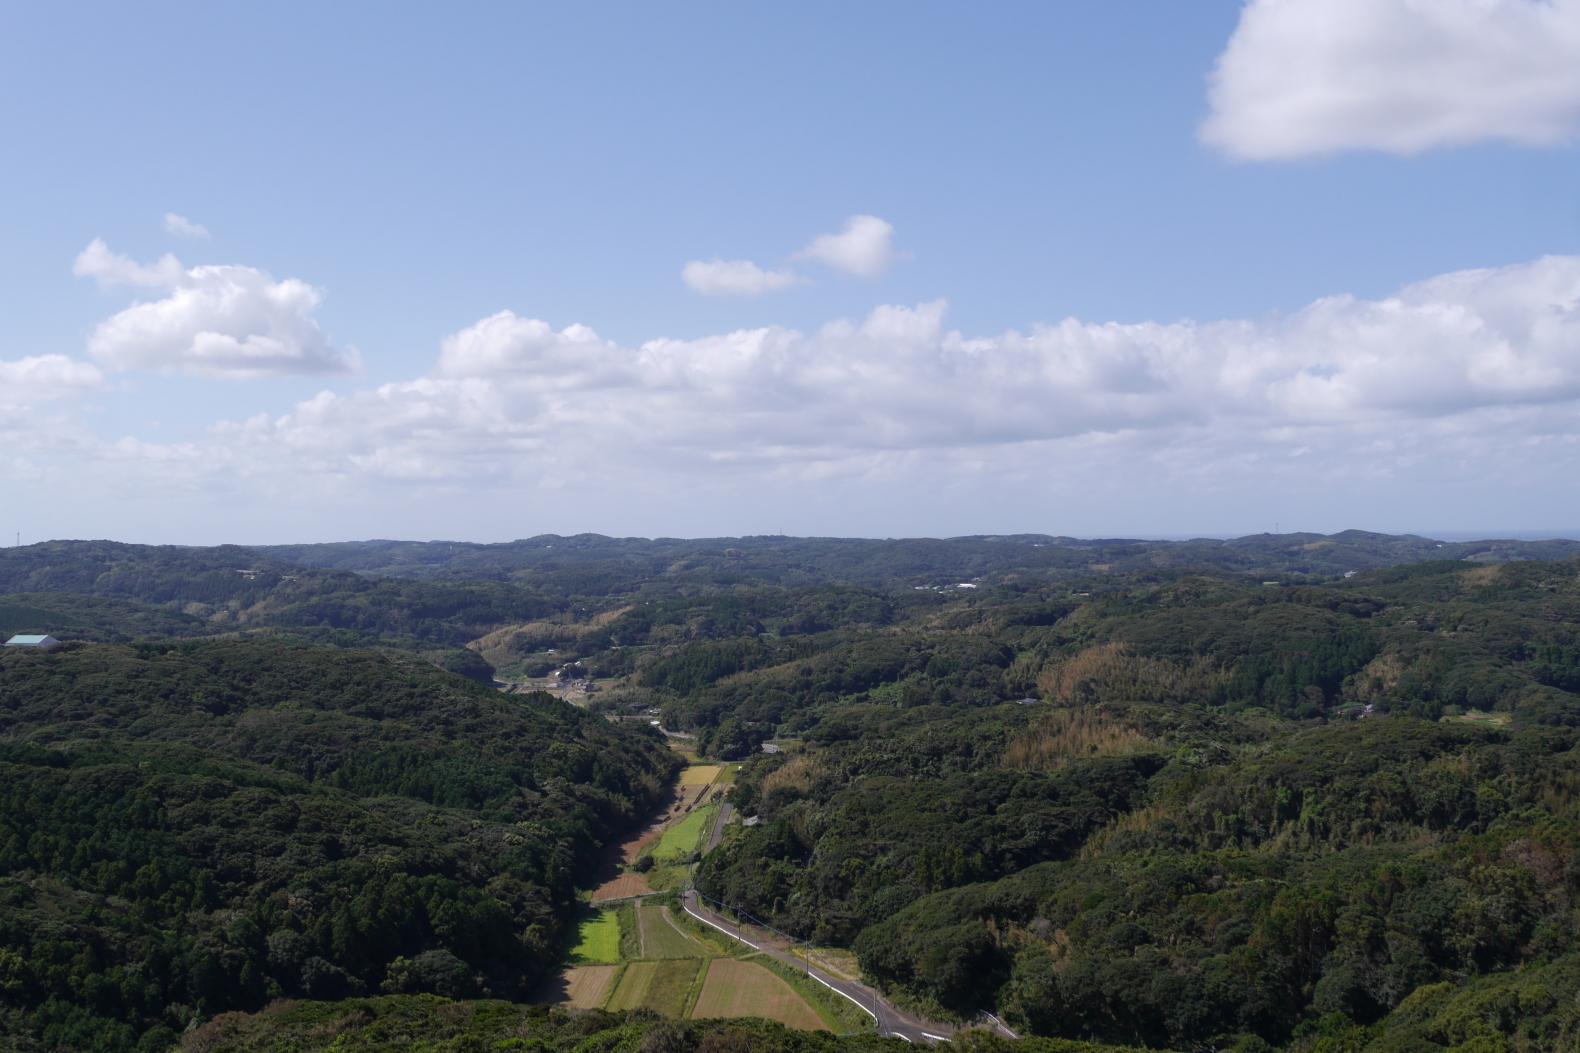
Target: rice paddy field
736,988
662,986
699,774
640,952
587,986
598,940
661,938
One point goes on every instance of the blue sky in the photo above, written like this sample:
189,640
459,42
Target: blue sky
417,171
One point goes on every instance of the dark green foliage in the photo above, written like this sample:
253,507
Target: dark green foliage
467,663
1323,814
376,1025
1334,875
589,564
230,588
69,616
191,828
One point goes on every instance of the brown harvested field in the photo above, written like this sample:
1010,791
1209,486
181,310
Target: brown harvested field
633,847
623,887
689,796
735,988
659,986
699,775
586,986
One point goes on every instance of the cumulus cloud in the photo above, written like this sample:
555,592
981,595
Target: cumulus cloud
1346,402
1454,355
181,227
734,278
1310,77
218,321
29,380
109,268
505,344
864,248
37,418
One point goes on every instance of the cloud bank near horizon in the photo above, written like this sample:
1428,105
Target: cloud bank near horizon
1463,372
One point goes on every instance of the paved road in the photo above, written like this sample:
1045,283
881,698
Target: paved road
891,1021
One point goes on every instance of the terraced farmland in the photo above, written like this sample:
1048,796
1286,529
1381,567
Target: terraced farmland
660,938
587,986
662,986
598,940
682,839
643,953
743,988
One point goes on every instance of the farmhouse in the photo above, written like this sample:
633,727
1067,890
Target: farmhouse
42,643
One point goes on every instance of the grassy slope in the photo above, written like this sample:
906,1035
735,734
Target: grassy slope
683,838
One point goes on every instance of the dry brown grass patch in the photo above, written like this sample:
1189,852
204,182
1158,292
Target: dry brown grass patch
1110,673
796,775
1064,735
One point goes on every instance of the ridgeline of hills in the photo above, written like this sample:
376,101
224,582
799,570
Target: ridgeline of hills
587,562
1319,794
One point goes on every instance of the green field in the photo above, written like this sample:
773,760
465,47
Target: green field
661,986
660,938
683,838
598,939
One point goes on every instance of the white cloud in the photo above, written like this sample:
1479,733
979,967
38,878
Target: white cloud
37,419
218,321
25,381
504,344
514,396
109,268
181,227
864,248
1344,403
734,278
1311,77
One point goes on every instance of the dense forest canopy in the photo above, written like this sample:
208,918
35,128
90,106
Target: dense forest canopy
1299,792
195,827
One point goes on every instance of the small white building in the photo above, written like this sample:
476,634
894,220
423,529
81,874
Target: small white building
41,643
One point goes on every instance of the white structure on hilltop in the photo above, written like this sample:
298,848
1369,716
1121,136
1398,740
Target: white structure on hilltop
42,643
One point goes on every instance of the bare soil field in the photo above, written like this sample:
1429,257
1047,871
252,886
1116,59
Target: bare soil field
586,986
624,886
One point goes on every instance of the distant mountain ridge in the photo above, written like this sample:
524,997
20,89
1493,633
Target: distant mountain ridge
792,560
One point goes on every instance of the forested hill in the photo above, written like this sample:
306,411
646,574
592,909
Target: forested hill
229,589
588,564
1187,795
205,826
1226,814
